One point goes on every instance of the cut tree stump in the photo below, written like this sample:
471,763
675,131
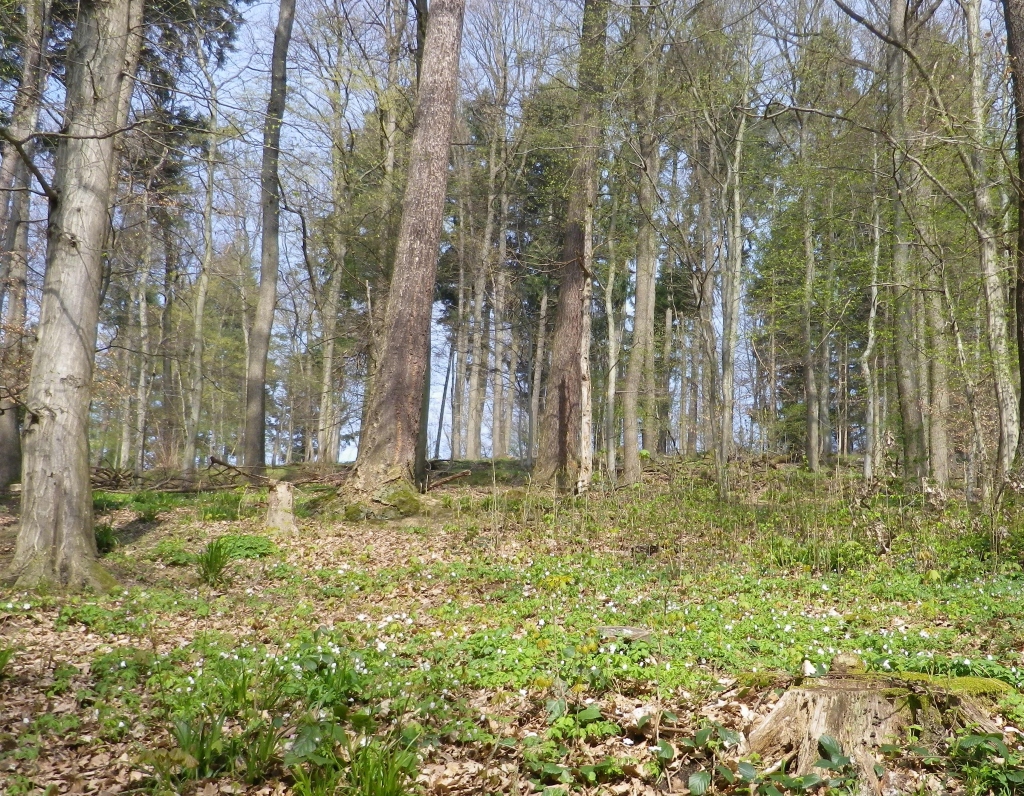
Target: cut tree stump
281,506
862,712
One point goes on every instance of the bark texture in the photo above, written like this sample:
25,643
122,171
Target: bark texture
56,545
387,448
254,454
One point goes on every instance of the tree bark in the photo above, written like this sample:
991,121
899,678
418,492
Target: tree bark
870,376
24,115
641,352
908,388
611,437
12,349
15,205
254,452
995,316
56,545
1013,14
388,443
559,438
538,372
480,354
731,290
195,391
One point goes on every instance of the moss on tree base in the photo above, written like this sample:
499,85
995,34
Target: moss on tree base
38,574
395,499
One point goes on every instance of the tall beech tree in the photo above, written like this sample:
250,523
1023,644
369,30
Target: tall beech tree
560,444
1013,14
389,454
270,204
56,545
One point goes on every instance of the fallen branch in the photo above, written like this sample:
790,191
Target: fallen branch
448,478
254,477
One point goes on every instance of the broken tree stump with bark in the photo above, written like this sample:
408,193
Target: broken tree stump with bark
281,507
862,711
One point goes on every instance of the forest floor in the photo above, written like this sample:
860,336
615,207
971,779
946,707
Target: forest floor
507,641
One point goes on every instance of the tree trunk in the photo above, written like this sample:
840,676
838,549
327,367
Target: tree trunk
388,442
811,404
12,350
995,304
480,354
869,375
15,206
641,353
24,115
538,372
499,444
56,545
665,392
254,453
559,445
586,453
908,388
195,391
1013,13
462,333
611,437
142,388
731,288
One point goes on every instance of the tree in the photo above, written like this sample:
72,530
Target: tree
1013,14
388,445
270,203
559,453
56,545
15,204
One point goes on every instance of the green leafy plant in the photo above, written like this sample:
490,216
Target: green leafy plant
106,538
258,752
987,766
212,562
587,723
173,553
201,740
380,768
842,774
248,546
6,656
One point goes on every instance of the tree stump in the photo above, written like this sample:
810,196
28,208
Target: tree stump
862,712
281,513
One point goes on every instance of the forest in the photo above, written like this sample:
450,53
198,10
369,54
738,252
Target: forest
459,397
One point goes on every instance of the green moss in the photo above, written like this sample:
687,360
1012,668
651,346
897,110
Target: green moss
354,512
403,499
959,686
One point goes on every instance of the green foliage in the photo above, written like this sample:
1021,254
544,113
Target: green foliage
106,538
202,744
173,553
987,766
212,562
583,724
380,767
243,546
6,656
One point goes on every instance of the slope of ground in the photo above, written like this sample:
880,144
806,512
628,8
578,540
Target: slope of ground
508,642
